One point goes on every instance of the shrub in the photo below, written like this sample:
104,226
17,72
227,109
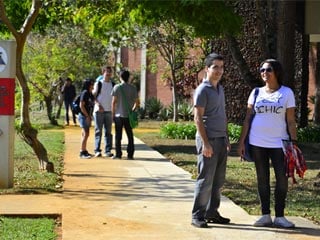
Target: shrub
309,134
178,130
153,107
163,114
173,130
234,132
185,111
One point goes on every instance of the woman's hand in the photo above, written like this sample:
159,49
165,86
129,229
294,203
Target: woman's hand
241,149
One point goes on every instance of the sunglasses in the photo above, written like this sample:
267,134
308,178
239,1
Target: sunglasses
269,69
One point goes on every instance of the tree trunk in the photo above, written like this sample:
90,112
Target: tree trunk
317,97
28,133
304,89
241,63
303,61
49,107
174,97
286,39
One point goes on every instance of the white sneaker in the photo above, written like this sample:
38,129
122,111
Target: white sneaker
282,222
264,221
97,154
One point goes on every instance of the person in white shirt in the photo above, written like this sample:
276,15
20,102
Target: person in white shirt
274,121
102,112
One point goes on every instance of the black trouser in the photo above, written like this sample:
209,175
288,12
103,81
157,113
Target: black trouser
261,158
67,105
119,124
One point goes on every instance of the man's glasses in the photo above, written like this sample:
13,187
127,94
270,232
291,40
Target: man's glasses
269,69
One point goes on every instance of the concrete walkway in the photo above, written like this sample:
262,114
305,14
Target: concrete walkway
145,198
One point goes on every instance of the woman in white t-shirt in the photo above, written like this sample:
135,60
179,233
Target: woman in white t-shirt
274,121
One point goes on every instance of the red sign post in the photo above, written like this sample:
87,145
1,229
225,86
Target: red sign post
7,86
7,130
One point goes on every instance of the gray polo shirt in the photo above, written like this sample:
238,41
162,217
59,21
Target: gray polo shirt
213,102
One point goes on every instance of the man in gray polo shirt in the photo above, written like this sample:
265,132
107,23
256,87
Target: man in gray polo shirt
212,144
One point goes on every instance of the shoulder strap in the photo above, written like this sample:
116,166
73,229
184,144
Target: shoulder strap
256,92
99,88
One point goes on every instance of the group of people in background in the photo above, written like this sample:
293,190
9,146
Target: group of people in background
102,102
273,122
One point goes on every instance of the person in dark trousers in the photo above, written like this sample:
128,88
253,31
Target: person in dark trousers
124,92
212,144
85,116
102,112
273,122
69,93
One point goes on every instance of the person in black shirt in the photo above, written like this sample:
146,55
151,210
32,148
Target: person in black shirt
85,116
69,93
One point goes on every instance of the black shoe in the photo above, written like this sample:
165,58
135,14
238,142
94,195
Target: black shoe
199,223
116,157
130,158
217,219
85,155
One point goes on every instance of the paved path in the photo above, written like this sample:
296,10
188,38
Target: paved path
145,198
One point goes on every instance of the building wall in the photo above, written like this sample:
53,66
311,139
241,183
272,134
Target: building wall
155,85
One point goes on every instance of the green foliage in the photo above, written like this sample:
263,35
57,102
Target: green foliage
153,107
309,134
234,132
63,52
185,111
178,130
208,18
13,228
164,114
16,11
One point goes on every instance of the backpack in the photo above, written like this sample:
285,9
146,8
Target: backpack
75,107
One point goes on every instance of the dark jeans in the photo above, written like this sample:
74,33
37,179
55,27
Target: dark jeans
211,176
121,122
261,158
67,105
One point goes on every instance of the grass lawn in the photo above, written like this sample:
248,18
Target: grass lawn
17,228
240,186
29,180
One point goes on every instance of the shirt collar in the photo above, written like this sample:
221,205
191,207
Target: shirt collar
207,83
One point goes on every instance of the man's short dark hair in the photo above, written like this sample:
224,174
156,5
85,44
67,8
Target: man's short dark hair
211,57
124,75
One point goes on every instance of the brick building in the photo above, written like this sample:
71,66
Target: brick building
151,84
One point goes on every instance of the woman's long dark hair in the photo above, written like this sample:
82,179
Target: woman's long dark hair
277,68
87,83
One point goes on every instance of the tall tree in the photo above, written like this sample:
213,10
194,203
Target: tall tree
28,133
317,97
171,39
173,25
286,20
64,51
